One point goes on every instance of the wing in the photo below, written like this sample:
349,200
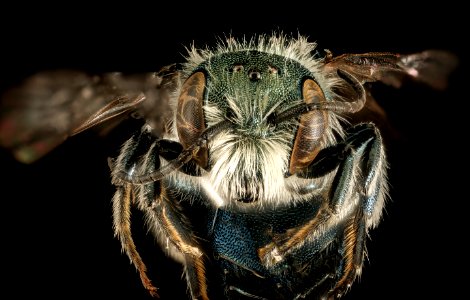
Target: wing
51,106
432,68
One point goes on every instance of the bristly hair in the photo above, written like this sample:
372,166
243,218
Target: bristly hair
235,156
298,49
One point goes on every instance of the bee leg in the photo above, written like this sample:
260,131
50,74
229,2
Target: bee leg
359,164
167,228
353,249
327,160
125,196
181,242
162,211
371,191
172,231
122,229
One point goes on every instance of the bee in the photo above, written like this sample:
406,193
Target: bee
255,167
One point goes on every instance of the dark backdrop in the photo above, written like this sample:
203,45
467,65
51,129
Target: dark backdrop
57,239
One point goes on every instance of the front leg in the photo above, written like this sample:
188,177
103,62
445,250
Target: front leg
372,191
355,199
171,228
161,208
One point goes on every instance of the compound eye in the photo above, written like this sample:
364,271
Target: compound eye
190,115
311,131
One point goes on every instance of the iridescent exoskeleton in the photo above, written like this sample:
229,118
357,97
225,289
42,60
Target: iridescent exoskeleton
250,169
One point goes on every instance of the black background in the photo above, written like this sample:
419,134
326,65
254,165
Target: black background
57,238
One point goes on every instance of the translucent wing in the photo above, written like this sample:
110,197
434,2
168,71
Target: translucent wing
50,106
431,67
